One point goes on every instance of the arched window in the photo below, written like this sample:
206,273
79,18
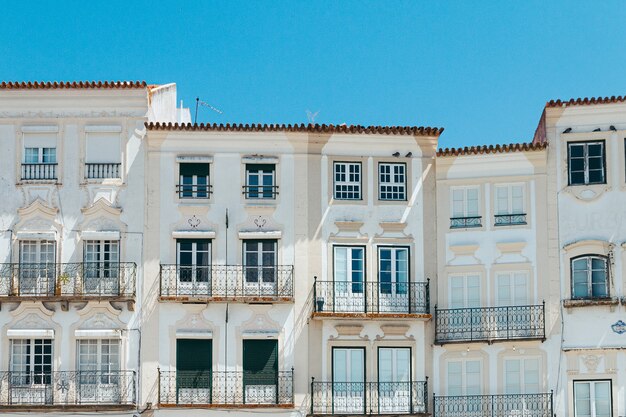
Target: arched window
590,277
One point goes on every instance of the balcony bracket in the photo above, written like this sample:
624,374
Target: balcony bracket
131,305
65,305
49,306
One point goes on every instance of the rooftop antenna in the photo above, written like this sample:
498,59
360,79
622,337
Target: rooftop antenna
311,116
204,104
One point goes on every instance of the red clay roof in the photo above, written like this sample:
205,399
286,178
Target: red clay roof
33,85
487,149
586,101
316,128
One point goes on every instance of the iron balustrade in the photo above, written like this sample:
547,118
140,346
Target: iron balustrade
490,323
227,281
465,222
102,171
267,192
509,219
67,388
225,388
39,171
504,405
194,190
371,297
372,398
84,279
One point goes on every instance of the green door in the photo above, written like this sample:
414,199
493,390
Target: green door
193,370
260,371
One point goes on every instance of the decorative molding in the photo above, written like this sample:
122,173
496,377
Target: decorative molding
344,226
395,329
588,192
99,206
349,329
591,362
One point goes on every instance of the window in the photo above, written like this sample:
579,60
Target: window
260,181
349,269
102,267
31,361
465,208
393,270
521,376
509,205
464,291
512,289
347,177
260,371
348,380
194,358
193,258
586,163
464,377
590,277
194,180
260,259
37,273
392,181
40,156
592,399
98,361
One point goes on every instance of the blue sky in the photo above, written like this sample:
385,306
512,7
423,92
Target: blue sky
481,69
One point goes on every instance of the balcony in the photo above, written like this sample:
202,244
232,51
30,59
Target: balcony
371,398
505,405
227,283
371,299
261,192
39,172
193,191
509,219
489,324
102,171
235,389
67,390
112,281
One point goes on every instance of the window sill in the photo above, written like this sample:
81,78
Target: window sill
38,182
99,181
591,302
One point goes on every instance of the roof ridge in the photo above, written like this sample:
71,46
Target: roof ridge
321,128
488,149
47,85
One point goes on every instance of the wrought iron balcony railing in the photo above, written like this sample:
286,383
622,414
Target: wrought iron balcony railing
194,191
67,388
39,171
465,222
227,281
371,398
263,192
371,297
203,388
509,219
504,405
102,171
490,324
80,279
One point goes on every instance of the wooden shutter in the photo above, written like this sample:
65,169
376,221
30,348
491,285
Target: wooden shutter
193,363
260,362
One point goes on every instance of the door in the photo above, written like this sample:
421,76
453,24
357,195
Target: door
194,358
349,286
465,318
393,280
37,273
464,382
31,371
260,371
99,371
513,318
102,267
349,380
194,267
260,268
394,380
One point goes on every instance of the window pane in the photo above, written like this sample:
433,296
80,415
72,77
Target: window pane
576,150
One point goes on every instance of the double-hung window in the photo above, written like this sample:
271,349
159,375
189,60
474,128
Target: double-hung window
391,182
586,163
465,208
592,398
347,180
510,205
260,181
590,277
194,180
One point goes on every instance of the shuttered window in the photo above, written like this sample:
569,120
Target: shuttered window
260,362
193,363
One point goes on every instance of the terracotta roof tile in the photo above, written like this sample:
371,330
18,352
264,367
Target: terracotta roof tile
586,101
487,149
316,128
41,85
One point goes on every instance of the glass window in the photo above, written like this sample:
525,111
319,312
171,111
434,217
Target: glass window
98,360
347,180
393,270
512,288
194,260
31,361
349,268
260,181
40,155
392,181
260,260
464,377
194,180
464,291
465,212
509,199
592,399
586,163
590,277
521,376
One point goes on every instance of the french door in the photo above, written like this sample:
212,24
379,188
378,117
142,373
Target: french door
31,371
349,380
194,266
99,371
260,258
512,291
394,380
465,320
393,280
260,371
194,358
349,286
37,273
102,267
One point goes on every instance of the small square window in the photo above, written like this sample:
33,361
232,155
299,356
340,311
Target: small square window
392,182
194,180
347,178
586,163
260,181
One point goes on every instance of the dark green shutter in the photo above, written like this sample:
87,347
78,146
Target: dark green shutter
193,363
260,362
189,169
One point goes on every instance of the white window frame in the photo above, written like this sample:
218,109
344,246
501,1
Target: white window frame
512,276
464,388
195,191
466,300
345,189
592,397
466,212
585,159
397,190
261,193
40,155
509,204
349,271
107,372
589,258
28,362
523,374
